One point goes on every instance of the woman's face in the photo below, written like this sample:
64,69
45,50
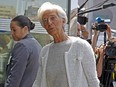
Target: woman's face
16,31
52,22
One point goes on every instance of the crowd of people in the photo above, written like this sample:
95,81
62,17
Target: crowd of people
101,36
68,61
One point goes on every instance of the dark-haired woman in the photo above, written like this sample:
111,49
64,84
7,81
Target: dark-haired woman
23,66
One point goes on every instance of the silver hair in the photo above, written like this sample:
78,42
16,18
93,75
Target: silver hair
52,7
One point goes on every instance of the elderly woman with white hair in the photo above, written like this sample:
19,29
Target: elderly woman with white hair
67,61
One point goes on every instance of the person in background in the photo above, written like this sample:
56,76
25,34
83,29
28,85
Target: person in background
68,61
106,61
77,29
98,37
100,54
84,32
24,62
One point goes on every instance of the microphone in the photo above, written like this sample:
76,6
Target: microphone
108,5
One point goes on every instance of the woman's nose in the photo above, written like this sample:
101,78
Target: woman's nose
49,21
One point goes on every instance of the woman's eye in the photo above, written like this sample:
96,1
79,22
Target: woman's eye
45,21
13,30
52,18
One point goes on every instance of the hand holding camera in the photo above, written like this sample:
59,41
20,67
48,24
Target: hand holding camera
99,26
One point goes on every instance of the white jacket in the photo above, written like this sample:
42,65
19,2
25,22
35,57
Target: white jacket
79,62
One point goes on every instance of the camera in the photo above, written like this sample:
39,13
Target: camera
82,20
102,26
111,49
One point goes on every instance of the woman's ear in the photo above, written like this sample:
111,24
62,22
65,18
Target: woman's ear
26,29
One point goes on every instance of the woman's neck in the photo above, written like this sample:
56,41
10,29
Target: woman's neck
60,37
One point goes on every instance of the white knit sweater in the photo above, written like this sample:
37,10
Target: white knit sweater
79,62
